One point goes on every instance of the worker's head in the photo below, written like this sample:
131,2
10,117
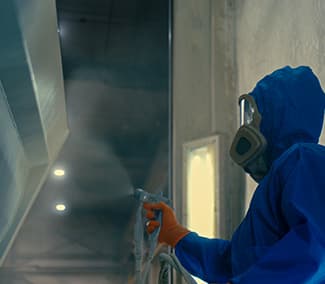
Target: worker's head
285,108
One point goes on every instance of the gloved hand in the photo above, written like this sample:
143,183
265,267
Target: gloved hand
171,232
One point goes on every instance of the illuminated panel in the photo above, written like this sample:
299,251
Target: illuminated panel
201,184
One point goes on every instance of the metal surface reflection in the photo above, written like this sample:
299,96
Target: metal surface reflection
115,63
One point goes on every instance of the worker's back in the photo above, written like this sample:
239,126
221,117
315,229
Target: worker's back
282,238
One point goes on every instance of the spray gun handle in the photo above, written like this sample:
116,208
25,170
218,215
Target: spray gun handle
143,196
155,233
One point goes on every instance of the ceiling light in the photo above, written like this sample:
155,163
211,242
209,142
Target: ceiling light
59,172
60,207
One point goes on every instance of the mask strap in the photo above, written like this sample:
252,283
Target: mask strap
256,115
322,134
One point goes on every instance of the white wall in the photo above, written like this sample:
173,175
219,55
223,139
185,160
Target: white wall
272,33
38,23
204,97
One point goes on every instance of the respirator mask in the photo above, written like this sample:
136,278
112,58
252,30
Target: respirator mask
249,145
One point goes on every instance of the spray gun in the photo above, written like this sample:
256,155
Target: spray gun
142,197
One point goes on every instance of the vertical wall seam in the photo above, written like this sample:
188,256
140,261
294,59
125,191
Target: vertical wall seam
212,67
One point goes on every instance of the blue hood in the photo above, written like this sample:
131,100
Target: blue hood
291,102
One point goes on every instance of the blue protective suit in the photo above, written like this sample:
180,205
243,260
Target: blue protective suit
282,237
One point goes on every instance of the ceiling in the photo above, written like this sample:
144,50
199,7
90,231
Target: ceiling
115,63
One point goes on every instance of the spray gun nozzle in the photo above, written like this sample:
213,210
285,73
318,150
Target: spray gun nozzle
144,196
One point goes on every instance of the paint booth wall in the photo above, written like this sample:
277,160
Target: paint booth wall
13,165
33,123
205,100
273,34
220,50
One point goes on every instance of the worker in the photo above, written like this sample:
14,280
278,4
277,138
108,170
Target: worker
282,237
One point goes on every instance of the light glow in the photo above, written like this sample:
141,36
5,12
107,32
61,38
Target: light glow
59,172
60,207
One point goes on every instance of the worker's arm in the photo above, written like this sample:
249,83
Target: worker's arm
208,259
205,258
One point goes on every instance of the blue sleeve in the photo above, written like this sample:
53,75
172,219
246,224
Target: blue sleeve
208,259
299,255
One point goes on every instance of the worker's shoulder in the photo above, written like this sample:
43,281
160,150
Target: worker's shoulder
303,150
300,153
